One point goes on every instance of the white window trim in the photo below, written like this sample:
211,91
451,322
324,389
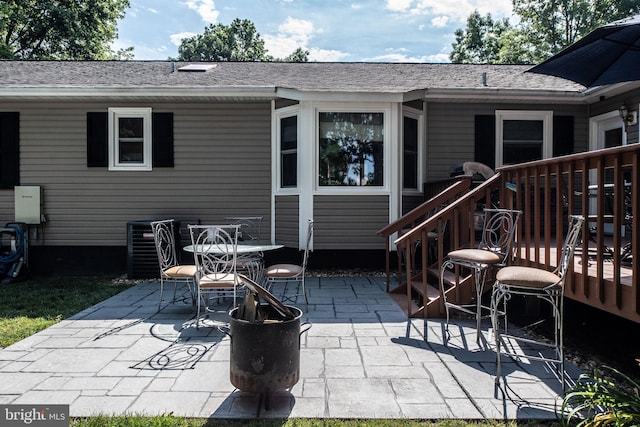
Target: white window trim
280,114
596,126
547,128
113,116
386,110
419,116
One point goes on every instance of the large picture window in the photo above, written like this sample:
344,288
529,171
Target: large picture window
130,139
351,147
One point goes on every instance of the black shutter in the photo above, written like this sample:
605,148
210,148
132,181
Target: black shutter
163,140
563,137
97,140
9,150
485,140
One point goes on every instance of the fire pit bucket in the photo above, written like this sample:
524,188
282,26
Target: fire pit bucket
265,356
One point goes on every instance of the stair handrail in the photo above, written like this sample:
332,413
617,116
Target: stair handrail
445,196
430,223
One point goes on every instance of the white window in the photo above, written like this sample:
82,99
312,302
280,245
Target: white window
130,139
523,136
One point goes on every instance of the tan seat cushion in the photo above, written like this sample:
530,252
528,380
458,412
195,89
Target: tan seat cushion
217,281
283,270
181,271
526,277
479,256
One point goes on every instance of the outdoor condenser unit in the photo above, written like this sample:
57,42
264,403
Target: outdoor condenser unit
142,258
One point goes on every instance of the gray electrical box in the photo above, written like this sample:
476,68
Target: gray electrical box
28,204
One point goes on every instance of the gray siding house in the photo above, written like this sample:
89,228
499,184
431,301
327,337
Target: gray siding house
350,145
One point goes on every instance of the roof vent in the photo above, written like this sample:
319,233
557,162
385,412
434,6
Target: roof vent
201,68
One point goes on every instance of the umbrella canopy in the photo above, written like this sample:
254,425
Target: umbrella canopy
608,54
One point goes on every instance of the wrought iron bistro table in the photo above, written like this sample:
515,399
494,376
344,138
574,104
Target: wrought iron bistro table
250,256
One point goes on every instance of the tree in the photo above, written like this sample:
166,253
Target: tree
59,29
238,41
545,28
298,55
554,25
481,41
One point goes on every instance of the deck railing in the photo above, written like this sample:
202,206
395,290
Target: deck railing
603,186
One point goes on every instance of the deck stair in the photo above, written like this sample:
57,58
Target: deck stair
445,221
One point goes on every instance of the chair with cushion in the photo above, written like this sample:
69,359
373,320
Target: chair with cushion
493,251
215,253
291,273
170,269
543,284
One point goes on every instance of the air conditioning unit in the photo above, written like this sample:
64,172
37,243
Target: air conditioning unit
142,258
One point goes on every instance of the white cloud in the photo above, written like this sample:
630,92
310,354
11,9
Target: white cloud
324,55
176,39
398,5
440,21
439,58
396,57
205,8
459,10
292,34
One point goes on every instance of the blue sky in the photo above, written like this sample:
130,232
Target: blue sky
331,30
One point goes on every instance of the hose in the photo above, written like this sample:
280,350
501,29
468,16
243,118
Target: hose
11,257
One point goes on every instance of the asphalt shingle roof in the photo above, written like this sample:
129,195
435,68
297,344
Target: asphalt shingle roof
310,76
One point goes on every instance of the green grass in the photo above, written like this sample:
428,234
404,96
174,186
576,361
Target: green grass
33,305
170,421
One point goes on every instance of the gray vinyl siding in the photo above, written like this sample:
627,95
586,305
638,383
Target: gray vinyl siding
349,222
287,217
411,201
451,129
222,168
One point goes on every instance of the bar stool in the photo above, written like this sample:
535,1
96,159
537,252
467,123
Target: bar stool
547,286
494,249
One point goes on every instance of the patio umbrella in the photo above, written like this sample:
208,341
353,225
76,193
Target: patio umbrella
609,54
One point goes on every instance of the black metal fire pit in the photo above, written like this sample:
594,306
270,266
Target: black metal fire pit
265,350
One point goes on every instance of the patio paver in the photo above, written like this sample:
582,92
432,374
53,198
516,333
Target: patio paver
361,358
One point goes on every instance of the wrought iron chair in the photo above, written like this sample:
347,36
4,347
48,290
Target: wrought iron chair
543,284
250,227
215,253
494,250
170,269
288,273
250,264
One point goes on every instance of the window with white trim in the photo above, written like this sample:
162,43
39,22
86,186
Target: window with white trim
350,149
130,139
523,136
288,151
411,141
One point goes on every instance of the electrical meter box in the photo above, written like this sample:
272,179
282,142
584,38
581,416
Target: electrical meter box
28,204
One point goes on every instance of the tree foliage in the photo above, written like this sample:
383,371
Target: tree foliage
238,41
298,55
481,41
60,29
545,28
